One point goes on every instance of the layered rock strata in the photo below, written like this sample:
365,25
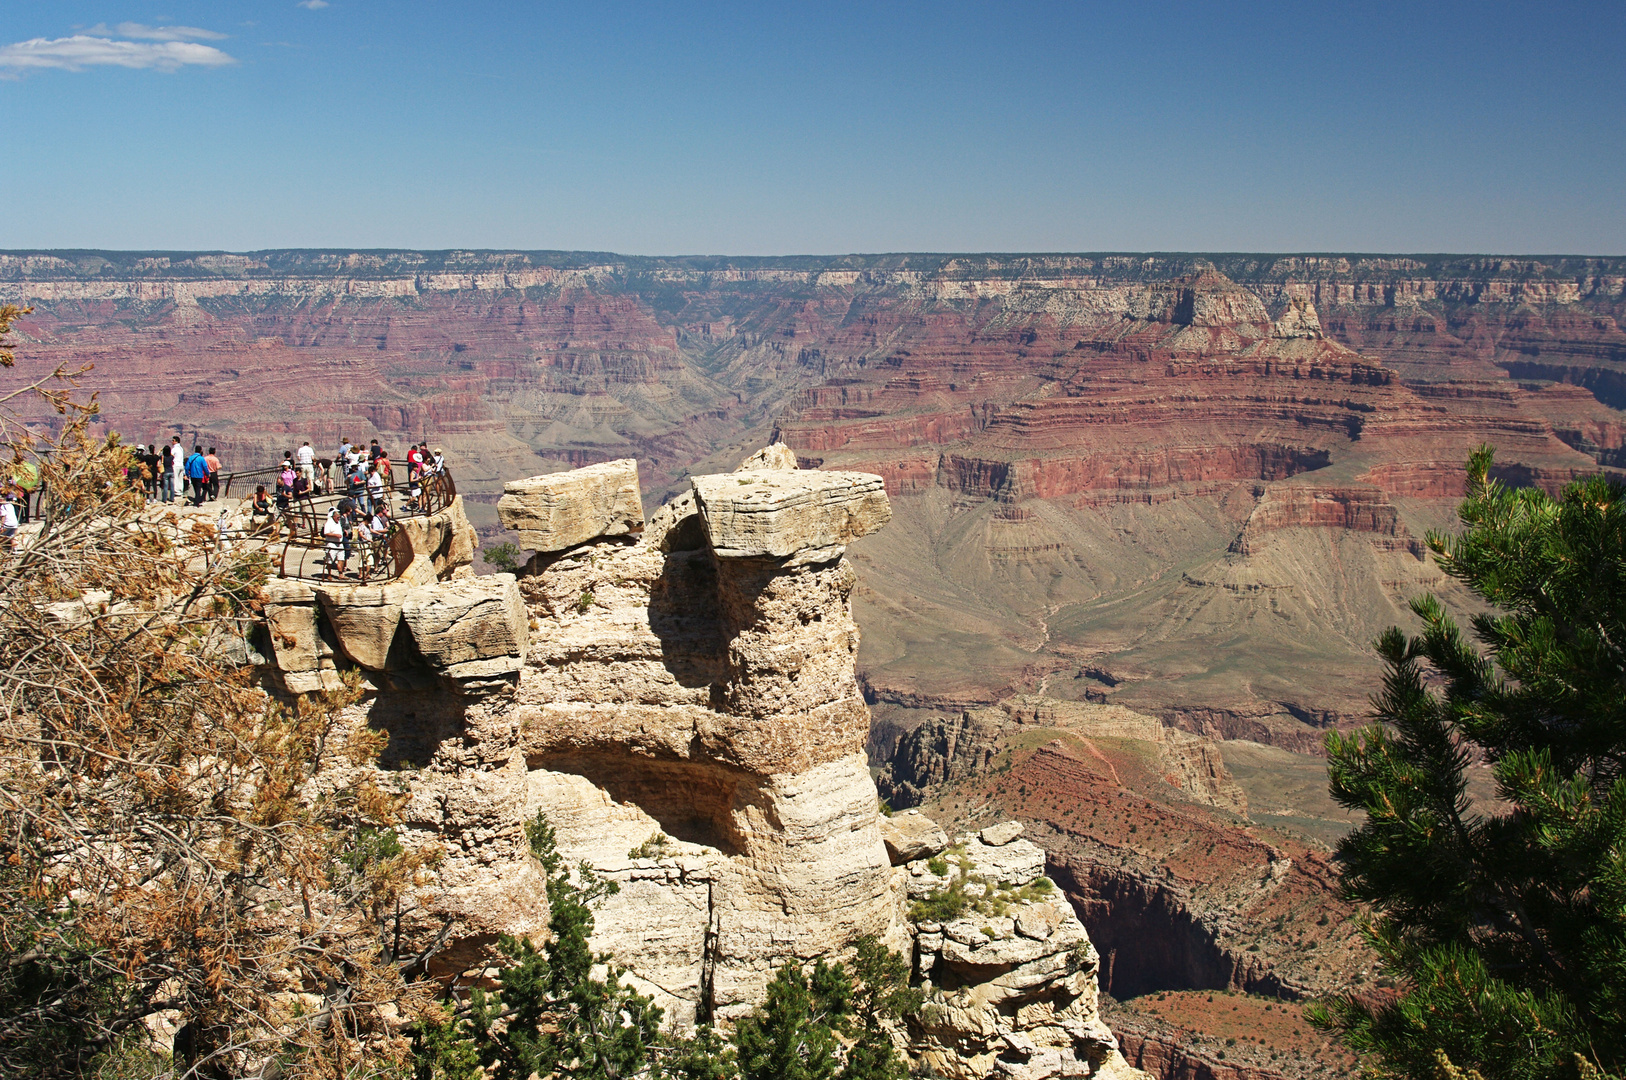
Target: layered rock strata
681,705
944,749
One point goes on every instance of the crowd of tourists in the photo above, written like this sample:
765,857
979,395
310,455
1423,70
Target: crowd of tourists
367,480
170,472
365,477
366,474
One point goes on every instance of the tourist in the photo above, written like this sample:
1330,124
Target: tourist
285,493
177,464
152,463
307,462
361,530
415,484
197,471
374,451
301,486
437,462
261,506
333,537
213,462
8,518
347,517
344,449
134,473
375,489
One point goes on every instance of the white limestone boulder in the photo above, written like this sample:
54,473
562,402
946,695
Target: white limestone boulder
472,630
911,836
1001,834
771,458
560,510
775,513
364,619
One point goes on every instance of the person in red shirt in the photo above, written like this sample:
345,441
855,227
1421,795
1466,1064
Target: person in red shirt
213,462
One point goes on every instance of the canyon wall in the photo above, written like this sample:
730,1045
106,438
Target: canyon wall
1203,477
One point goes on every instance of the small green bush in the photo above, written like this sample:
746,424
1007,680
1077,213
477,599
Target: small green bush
504,556
655,847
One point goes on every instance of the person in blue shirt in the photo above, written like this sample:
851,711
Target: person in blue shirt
197,471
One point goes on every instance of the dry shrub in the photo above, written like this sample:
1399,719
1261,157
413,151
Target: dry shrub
178,849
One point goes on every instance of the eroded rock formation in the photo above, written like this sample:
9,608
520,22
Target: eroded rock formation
681,704
1205,475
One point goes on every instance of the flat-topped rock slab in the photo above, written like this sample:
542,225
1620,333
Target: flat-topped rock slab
473,629
777,513
560,510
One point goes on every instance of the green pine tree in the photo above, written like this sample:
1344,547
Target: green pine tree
1506,925
549,1015
830,1024
707,1055
792,1034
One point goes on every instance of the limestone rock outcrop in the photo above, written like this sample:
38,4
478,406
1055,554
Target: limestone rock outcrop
682,706
435,619
1011,979
560,510
364,619
303,656
808,514
473,631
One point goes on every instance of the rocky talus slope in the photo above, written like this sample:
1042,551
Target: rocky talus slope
1212,930
678,697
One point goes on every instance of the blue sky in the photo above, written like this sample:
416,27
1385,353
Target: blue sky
785,128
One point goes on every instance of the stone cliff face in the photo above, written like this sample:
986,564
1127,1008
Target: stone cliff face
1236,448
678,697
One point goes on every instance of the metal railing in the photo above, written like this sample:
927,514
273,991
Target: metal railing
380,558
304,555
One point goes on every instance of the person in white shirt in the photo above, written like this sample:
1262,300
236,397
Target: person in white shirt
8,520
375,489
333,536
177,460
307,462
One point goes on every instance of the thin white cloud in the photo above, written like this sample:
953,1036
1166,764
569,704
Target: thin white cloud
313,5
155,33
84,50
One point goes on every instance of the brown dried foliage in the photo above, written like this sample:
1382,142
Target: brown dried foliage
176,845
